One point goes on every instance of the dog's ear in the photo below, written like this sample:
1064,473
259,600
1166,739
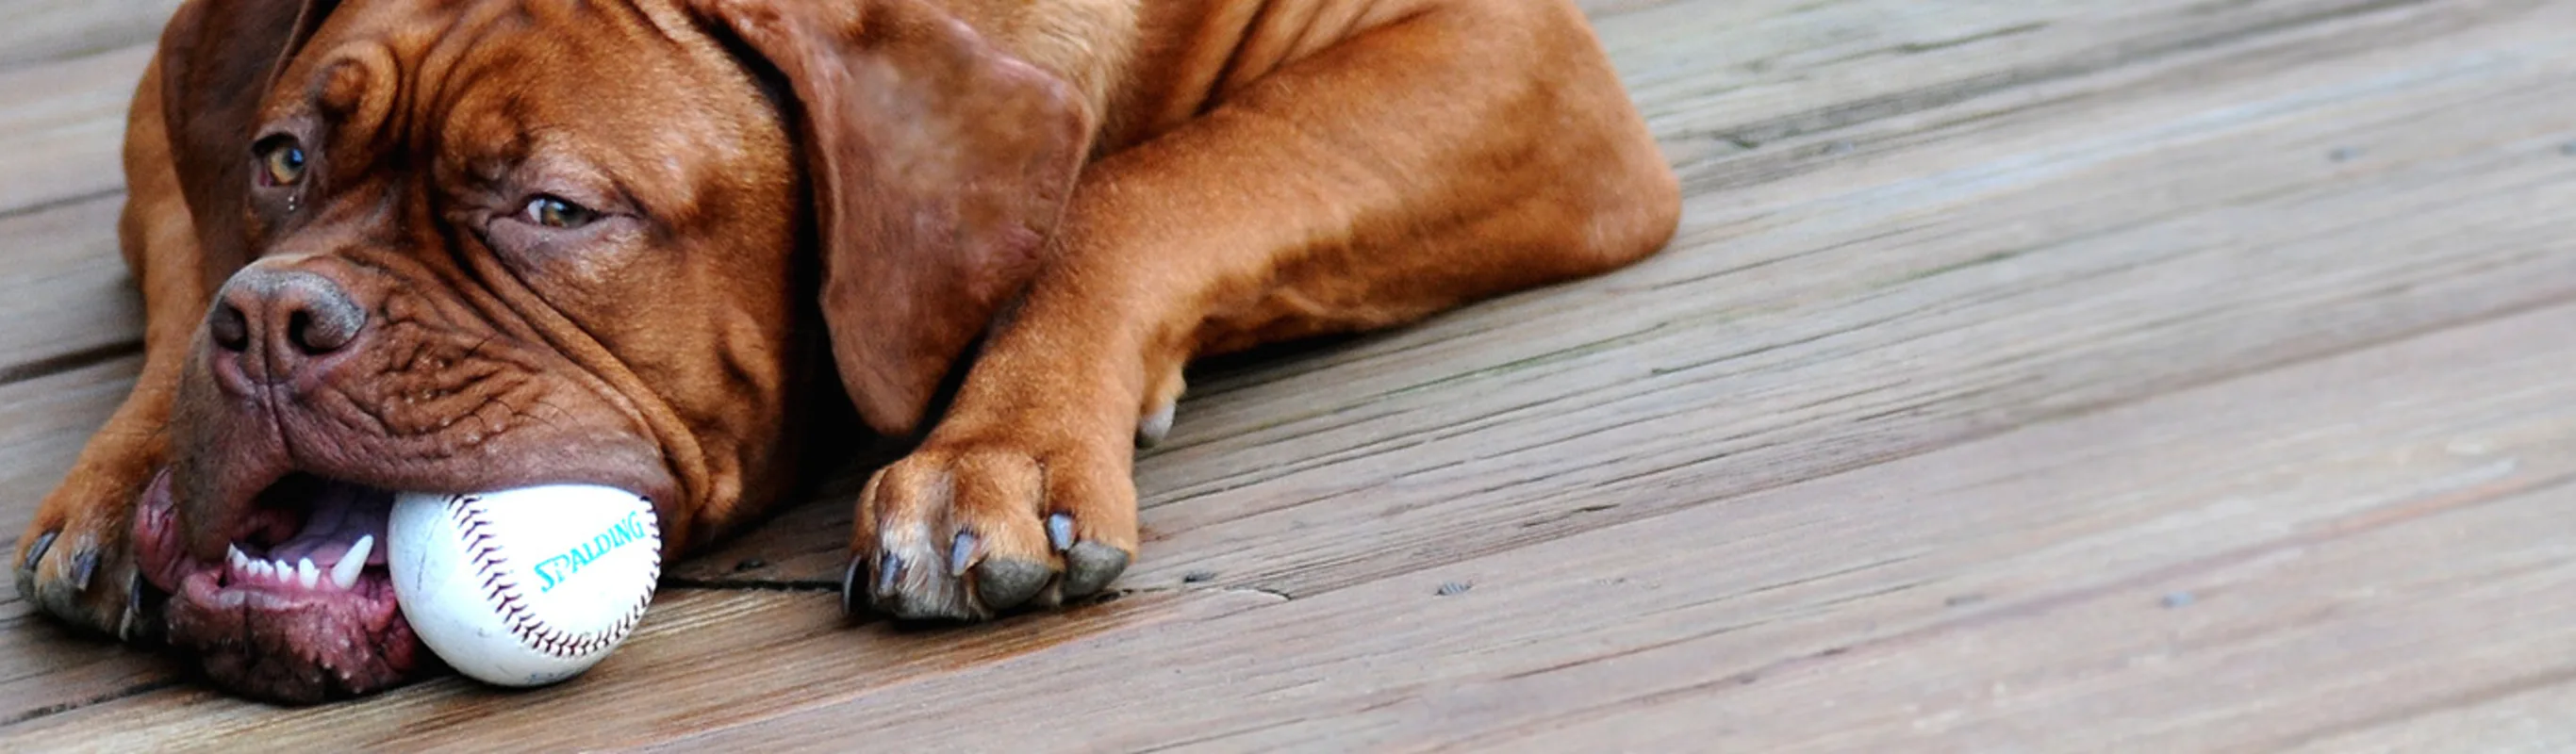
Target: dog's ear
939,164
218,59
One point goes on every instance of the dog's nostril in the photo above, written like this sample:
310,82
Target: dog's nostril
229,328
288,315
299,326
325,329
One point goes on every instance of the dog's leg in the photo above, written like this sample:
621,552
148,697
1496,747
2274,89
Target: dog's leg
1467,151
77,560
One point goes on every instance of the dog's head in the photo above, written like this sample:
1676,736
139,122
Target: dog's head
493,243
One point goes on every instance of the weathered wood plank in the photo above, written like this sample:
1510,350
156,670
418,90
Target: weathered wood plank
2270,649
43,423
1745,92
1914,226
1765,44
1758,230
2525,713
45,31
702,658
2122,241
69,298
63,126
2346,528
67,70
2075,260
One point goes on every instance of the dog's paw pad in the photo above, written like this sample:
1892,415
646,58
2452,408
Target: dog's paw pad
1089,566
974,530
1006,583
77,579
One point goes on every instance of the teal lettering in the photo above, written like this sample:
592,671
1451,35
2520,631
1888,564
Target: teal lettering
552,571
560,568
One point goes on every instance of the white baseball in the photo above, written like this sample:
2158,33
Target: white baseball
524,587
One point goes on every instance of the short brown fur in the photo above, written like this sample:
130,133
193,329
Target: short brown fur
1051,207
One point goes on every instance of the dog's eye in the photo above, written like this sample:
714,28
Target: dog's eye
555,212
281,160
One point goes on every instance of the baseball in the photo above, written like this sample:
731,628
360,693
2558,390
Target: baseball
524,587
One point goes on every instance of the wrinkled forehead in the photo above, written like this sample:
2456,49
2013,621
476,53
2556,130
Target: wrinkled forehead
420,57
509,80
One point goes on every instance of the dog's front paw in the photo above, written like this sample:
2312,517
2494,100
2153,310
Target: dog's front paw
966,529
77,560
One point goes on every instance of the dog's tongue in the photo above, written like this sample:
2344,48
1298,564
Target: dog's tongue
339,515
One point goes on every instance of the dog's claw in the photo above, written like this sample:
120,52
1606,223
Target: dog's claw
851,602
1089,566
961,553
142,611
986,530
84,565
1060,532
79,581
36,550
889,568
1005,583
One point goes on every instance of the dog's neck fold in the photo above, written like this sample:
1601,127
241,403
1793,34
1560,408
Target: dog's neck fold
1085,42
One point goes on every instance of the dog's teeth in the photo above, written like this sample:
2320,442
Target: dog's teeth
258,569
233,556
281,570
345,574
306,574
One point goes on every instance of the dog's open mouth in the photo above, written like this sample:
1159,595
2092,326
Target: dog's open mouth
300,608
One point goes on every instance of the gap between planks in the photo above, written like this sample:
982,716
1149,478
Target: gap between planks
2130,506
2460,383
2474,315
93,155
1234,447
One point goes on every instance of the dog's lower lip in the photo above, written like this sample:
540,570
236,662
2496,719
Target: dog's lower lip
299,607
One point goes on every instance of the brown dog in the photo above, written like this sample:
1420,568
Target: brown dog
465,245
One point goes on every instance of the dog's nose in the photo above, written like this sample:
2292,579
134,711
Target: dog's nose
278,321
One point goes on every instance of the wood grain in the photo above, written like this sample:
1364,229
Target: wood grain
2235,563
2026,376
65,258
2041,263
44,422
44,666
63,127
52,31
700,659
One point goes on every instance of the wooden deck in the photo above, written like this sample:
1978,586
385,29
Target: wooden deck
2097,374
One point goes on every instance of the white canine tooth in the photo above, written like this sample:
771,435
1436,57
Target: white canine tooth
305,574
233,556
345,574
